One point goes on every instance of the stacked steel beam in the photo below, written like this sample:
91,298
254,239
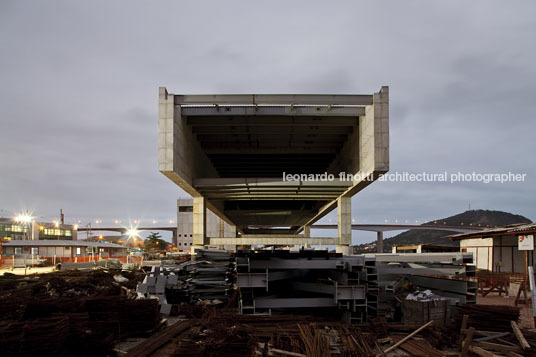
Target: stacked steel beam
359,287
446,274
284,280
209,277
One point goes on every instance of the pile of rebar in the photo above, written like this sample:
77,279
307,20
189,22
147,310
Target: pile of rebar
232,334
488,317
71,313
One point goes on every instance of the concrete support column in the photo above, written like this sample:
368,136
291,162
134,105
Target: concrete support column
344,218
174,239
232,231
231,234
307,234
379,242
200,222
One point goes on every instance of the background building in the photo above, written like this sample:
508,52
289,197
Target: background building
216,227
59,249
497,249
11,228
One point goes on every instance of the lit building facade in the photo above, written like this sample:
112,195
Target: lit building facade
11,229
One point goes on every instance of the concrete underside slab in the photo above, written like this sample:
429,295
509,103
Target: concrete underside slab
235,155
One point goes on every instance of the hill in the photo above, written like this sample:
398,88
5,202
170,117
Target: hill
474,218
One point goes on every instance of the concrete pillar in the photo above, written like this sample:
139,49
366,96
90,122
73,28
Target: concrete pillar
174,239
200,223
307,234
343,249
231,233
344,218
379,242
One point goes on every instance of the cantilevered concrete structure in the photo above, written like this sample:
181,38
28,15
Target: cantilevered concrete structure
230,152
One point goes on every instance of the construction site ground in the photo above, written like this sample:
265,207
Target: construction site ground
97,312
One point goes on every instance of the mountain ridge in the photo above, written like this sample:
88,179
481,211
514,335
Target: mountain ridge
473,218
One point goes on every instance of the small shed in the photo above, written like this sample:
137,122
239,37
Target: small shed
423,248
62,248
497,249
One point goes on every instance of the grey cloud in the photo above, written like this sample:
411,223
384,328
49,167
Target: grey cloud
78,96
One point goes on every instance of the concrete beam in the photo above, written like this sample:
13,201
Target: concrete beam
291,111
344,220
265,182
272,196
274,241
274,99
200,221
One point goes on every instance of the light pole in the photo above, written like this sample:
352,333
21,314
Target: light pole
88,237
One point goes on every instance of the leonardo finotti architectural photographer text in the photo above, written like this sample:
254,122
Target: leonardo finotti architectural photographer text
412,177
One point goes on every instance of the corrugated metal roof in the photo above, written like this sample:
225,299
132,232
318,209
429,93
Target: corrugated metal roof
512,228
61,243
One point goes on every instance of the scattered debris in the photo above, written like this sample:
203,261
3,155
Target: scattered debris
425,295
120,278
488,317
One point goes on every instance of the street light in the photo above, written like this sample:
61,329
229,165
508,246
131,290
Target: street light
25,218
132,232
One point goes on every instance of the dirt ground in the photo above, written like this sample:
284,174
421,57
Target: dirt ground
28,271
525,318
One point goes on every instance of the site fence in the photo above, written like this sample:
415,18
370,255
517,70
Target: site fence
10,261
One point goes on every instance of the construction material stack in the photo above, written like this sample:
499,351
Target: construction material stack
273,281
208,279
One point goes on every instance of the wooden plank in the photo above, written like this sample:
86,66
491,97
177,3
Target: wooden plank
408,337
158,340
463,328
498,347
519,335
420,348
513,354
492,337
481,352
467,342
286,353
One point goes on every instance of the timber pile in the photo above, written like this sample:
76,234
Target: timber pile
510,341
419,348
488,317
88,327
72,312
223,332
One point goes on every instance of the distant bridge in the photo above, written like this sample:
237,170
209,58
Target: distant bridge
124,230
400,227
378,228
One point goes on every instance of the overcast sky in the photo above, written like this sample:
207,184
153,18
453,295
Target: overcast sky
79,92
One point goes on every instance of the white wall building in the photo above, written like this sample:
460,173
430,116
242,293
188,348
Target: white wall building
216,227
497,249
